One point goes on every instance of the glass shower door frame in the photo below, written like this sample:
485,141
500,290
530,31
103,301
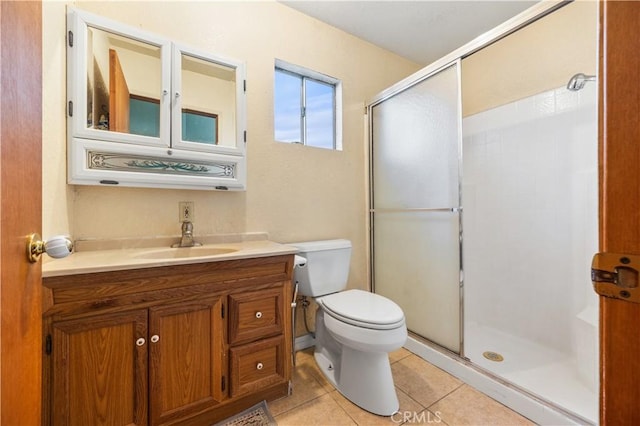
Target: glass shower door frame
398,89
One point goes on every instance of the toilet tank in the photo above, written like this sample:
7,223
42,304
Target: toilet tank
327,267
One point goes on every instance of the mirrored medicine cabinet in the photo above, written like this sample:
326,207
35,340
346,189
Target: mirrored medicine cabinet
146,111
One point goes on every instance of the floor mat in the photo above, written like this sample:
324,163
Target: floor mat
258,415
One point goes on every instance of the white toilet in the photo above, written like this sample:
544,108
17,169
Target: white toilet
355,329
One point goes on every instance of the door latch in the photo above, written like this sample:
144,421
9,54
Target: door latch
616,275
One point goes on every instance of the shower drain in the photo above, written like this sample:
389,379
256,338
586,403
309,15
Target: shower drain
493,356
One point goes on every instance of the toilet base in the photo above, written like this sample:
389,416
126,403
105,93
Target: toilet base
364,378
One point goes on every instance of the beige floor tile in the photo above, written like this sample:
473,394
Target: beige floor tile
306,359
305,388
422,381
419,384
467,406
322,411
396,356
363,417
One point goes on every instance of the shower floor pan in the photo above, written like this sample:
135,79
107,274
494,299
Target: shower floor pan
545,372
574,403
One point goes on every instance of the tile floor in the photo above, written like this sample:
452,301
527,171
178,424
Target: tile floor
427,395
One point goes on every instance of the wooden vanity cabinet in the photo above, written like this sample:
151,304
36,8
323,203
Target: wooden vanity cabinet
188,344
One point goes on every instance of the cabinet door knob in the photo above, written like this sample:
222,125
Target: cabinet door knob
140,341
258,314
155,338
259,366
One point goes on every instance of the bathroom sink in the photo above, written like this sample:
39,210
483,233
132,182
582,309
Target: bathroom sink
185,252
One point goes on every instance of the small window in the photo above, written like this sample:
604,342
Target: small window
144,116
198,126
307,107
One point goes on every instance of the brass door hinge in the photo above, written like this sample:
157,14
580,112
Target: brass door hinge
616,275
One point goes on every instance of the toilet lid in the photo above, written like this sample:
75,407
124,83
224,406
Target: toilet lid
363,309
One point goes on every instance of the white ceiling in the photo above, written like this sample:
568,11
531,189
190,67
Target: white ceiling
422,30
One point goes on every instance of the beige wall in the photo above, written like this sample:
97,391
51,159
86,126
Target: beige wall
294,192
542,56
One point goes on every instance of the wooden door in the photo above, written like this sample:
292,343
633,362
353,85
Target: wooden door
118,95
100,370
187,359
20,210
620,205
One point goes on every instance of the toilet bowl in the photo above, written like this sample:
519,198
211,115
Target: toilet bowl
355,329
364,321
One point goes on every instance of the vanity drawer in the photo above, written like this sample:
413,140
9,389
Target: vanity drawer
257,365
255,315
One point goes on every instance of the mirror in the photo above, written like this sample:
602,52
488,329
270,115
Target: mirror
145,89
208,101
124,83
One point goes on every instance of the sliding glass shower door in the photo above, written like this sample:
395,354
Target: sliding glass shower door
415,204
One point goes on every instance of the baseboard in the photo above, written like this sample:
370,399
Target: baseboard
303,342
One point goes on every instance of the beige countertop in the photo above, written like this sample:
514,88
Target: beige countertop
148,256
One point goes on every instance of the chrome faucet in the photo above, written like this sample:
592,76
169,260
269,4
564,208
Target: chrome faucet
187,236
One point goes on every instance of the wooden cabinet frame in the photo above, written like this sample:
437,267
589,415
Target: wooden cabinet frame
191,378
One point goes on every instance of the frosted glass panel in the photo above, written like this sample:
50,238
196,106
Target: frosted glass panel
415,145
417,266
415,165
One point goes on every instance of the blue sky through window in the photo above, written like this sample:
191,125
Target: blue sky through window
320,110
288,107
320,113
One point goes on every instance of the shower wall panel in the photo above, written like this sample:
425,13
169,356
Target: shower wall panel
530,221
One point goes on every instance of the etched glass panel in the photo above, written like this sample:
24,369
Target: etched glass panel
146,164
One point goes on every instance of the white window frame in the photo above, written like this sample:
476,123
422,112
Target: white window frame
314,75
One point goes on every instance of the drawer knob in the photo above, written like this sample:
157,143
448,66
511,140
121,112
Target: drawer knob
140,341
155,338
259,366
258,314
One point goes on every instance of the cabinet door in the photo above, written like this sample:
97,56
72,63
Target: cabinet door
100,370
118,82
209,102
186,359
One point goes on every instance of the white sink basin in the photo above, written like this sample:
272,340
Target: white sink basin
185,252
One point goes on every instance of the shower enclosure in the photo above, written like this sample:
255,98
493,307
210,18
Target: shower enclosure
415,170
484,209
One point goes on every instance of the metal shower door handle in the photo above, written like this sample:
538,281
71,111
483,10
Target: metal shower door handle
418,209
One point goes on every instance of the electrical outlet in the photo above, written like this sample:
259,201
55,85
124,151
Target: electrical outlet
185,211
